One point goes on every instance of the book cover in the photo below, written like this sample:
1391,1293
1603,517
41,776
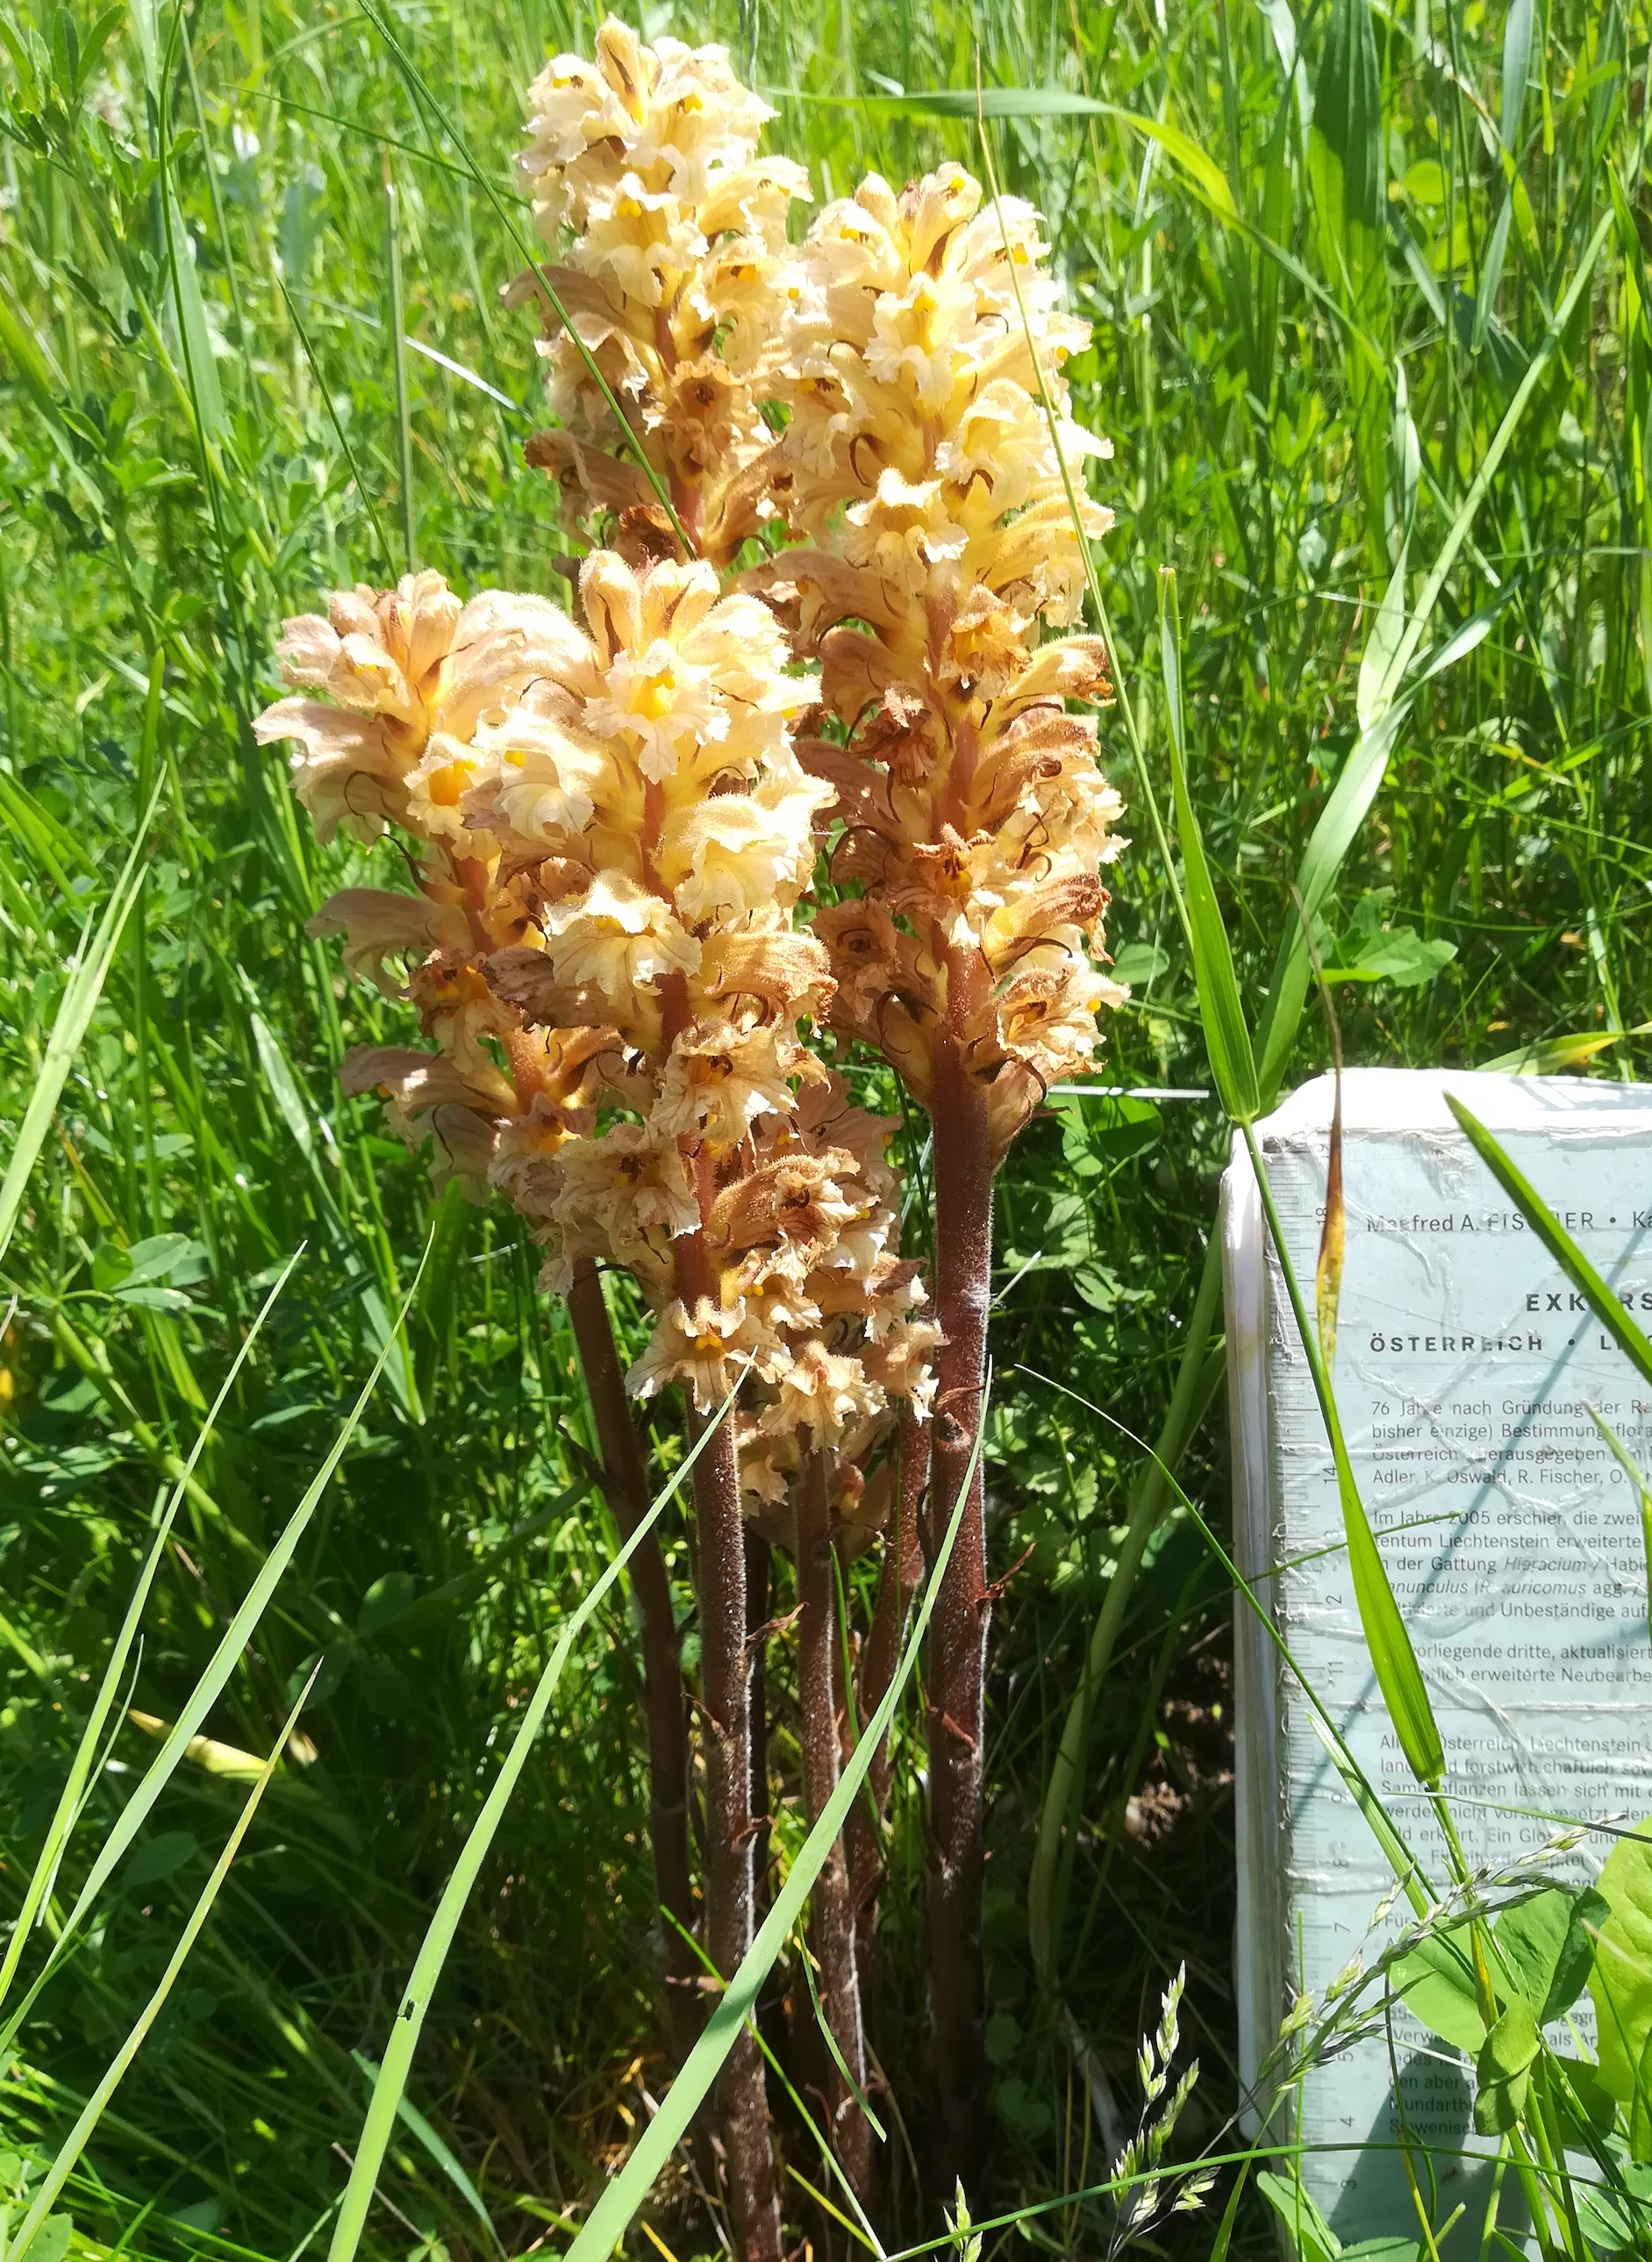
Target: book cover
1466,1366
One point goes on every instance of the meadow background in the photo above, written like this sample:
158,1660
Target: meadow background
250,350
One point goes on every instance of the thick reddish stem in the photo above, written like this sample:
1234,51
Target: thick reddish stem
758,1576
957,1639
903,1566
743,2107
625,1483
831,1910
719,1571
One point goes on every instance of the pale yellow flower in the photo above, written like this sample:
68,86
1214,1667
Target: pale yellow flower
618,939
402,667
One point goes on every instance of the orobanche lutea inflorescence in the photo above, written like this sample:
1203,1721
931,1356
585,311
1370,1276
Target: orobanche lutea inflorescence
822,491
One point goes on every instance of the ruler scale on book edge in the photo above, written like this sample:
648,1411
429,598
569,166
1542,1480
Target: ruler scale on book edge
1466,1365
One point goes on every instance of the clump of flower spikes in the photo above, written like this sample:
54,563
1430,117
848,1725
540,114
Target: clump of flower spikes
670,233
923,346
613,830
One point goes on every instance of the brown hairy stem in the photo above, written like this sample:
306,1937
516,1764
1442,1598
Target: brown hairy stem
742,2103
758,1567
958,1638
625,1484
720,1574
831,1910
903,1566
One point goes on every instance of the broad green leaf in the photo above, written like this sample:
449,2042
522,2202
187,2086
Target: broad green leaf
1491,273
1553,1234
1387,631
285,1088
1382,2249
1621,1982
1346,172
50,2242
1586,2106
1388,1638
1400,955
1053,102
1517,60
1193,161
1610,2220
1310,2235
1436,1981
190,314
1547,1946
158,1857
1553,1056
385,1601
1504,2069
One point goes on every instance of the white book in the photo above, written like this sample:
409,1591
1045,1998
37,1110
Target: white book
1465,1368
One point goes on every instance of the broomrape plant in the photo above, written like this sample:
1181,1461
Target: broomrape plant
923,472
616,817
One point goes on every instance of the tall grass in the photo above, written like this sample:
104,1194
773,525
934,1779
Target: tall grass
250,350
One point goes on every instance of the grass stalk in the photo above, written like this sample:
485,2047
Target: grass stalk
397,317
831,1911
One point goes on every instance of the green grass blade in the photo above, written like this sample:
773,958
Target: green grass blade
1589,1284
79,1003
398,324
432,1952
1232,1062
1387,1636
607,2220
205,1692
75,2143
62,1823
444,2156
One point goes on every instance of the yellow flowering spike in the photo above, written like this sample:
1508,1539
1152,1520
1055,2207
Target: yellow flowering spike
642,171
659,827
923,468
